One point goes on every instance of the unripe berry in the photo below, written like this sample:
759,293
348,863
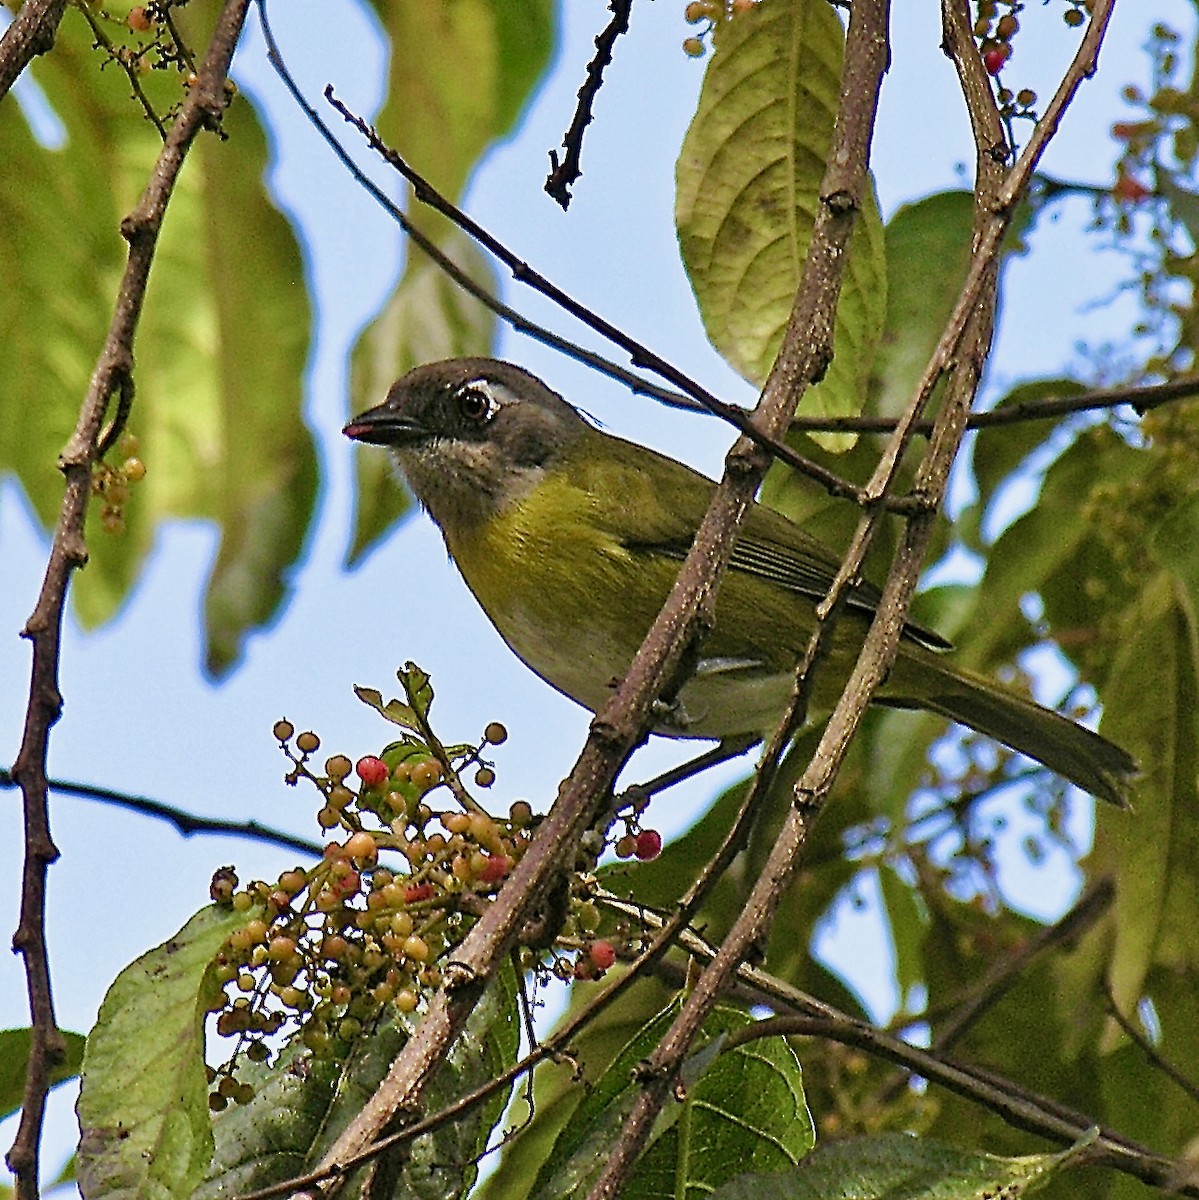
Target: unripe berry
495,733
308,742
416,948
338,767
693,47
362,848
283,730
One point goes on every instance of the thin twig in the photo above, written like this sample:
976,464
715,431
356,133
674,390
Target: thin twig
202,108
564,173
1150,1051
187,823
1141,399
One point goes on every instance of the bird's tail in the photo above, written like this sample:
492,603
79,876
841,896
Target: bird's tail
1068,749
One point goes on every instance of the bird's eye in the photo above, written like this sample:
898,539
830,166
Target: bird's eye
476,403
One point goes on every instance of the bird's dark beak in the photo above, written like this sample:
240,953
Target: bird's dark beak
383,426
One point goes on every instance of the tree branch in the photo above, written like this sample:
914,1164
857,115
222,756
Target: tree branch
31,33
187,823
202,108
564,173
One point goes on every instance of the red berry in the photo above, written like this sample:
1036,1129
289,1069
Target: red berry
995,58
495,868
602,955
371,770
649,845
418,891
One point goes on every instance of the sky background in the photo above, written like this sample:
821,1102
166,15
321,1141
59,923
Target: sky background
139,714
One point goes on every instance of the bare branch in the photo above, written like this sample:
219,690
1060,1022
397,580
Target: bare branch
32,32
187,823
564,173
202,108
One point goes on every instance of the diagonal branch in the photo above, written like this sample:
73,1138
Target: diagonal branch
202,108
31,33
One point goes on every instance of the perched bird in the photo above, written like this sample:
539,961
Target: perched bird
571,538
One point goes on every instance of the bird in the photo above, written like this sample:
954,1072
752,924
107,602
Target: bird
570,538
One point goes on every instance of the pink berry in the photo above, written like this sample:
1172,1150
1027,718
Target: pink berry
495,868
371,770
602,955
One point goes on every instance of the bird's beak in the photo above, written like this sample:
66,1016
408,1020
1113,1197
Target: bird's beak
383,426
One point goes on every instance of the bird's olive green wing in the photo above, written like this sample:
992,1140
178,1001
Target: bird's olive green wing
770,547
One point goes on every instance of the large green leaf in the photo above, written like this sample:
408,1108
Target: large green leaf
14,1057
893,1166
428,317
301,1104
143,1104
744,1111
748,183
467,69
502,49
999,452
740,1108
1152,708
220,349
928,254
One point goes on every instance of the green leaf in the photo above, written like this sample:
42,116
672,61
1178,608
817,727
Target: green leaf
396,711
586,1137
560,1087
907,920
748,181
1174,541
218,418
14,1058
745,1111
302,1104
998,453
1052,551
427,318
1152,709
894,1166
503,49
143,1104
742,1106
928,254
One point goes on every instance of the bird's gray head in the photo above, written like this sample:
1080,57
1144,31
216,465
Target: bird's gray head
471,435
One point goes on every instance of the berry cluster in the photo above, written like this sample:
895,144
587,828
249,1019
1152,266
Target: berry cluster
708,14
330,949
112,485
